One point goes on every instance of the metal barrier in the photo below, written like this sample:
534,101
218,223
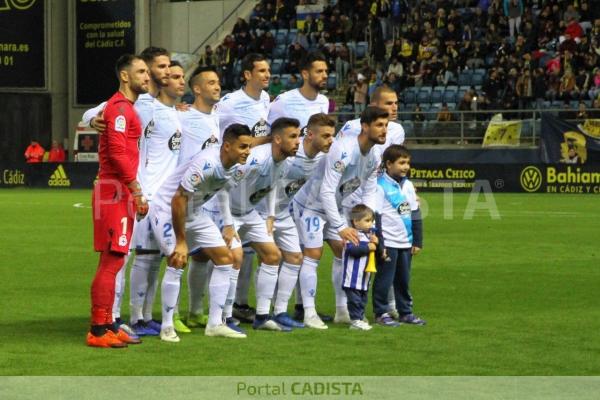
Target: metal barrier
467,128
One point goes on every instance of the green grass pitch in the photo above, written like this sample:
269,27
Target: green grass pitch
517,295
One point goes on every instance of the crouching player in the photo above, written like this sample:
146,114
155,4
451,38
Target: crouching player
402,228
179,225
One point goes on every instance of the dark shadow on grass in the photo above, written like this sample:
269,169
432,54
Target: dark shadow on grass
58,329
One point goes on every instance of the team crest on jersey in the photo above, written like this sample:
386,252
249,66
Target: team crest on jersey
304,131
194,179
149,129
339,167
349,186
120,124
403,208
257,196
292,188
238,175
260,128
210,142
175,141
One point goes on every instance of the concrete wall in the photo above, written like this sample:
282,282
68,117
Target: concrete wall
181,27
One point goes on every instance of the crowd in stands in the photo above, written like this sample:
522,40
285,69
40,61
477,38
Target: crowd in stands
503,54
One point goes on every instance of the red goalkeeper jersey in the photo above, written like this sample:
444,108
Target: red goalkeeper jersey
118,146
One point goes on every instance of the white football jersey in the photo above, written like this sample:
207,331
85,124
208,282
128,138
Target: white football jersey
200,131
159,148
395,135
343,170
293,104
295,172
396,221
239,108
203,176
260,174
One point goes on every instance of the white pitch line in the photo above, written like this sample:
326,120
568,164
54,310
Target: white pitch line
80,205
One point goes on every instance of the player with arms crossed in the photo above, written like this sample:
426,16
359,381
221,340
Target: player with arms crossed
351,163
180,225
115,195
249,106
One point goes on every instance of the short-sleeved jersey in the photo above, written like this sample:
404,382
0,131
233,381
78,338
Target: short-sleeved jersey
240,108
343,170
260,174
396,201
395,135
160,151
118,147
200,132
203,176
295,172
293,104
354,275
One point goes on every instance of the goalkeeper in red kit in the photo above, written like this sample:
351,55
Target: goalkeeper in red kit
117,197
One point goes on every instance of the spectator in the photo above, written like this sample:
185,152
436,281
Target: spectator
571,14
34,152
342,63
57,153
396,68
360,95
524,88
595,85
267,43
208,58
275,87
444,115
539,86
392,81
582,113
568,89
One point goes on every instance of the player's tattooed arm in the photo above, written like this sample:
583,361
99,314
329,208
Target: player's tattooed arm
179,204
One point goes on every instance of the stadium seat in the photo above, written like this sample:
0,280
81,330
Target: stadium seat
361,49
291,36
436,95
449,95
281,38
432,116
285,78
460,94
279,51
277,66
408,128
477,79
410,96
464,78
423,96
332,81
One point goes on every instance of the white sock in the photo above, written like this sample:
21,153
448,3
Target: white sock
233,279
265,286
308,285
138,277
119,290
245,277
197,280
153,275
337,275
171,284
288,277
218,288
